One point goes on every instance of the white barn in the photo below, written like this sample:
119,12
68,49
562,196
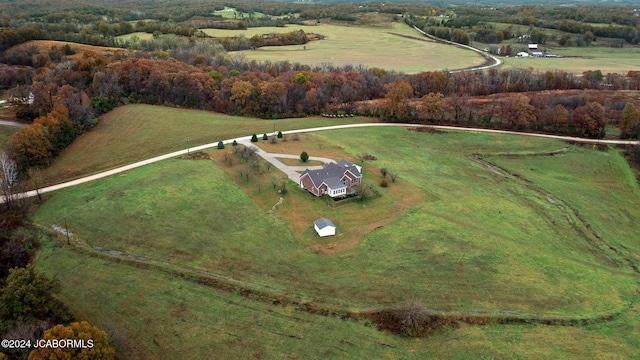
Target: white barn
324,227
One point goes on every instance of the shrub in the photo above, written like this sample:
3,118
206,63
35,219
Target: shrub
235,143
384,183
254,138
411,316
295,137
304,156
220,145
273,140
279,134
265,137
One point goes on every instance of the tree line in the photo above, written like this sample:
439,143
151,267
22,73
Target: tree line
68,95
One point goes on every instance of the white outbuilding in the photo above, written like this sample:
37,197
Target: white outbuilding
324,227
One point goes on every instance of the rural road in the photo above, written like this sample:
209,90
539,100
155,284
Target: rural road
246,139
11,123
496,61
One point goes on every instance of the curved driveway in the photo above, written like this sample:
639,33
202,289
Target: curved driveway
246,139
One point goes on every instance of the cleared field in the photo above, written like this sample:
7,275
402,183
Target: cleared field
479,241
139,35
578,60
397,47
6,132
137,132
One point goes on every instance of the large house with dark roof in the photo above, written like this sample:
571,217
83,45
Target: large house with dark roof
334,180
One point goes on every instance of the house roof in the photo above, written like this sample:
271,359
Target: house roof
323,223
332,174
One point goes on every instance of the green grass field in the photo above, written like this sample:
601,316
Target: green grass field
137,132
397,47
6,132
578,60
139,35
476,243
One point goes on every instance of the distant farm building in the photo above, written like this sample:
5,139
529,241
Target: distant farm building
522,54
324,227
335,180
533,47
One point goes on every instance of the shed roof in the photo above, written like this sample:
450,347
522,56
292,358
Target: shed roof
323,223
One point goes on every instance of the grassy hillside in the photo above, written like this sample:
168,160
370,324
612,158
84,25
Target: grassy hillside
361,46
137,132
480,240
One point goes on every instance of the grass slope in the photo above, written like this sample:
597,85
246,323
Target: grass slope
478,242
136,132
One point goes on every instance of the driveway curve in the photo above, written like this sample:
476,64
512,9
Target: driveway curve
246,139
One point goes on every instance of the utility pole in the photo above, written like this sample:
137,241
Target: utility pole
66,231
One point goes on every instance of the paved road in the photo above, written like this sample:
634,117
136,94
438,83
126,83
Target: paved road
248,138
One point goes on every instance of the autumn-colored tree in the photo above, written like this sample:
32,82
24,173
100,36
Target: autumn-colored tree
630,121
30,146
590,119
243,94
91,343
433,105
562,116
395,105
517,111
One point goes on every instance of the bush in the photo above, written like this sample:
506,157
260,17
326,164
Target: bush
254,138
235,143
279,134
411,317
265,137
220,145
384,183
304,156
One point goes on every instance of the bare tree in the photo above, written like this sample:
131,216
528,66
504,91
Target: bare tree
363,191
393,177
36,180
8,178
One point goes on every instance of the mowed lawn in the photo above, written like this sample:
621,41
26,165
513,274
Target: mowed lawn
397,47
136,132
477,241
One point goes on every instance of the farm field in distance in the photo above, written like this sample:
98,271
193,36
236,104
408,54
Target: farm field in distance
393,47
480,240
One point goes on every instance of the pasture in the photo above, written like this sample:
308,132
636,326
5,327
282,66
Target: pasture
135,35
469,238
578,60
137,132
397,47
6,132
